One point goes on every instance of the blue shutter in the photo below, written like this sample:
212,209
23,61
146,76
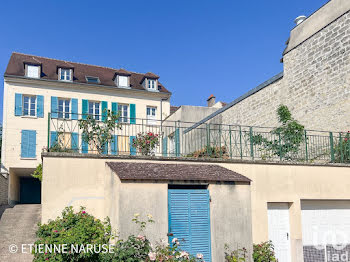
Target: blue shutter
74,109
40,106
132,114
114,145
132,148
177,142
105,149
32,144
18,104
165,146
85,108
104,108
189,220
84,147
54,107
115,109
28,144
53,138
24,143
75,142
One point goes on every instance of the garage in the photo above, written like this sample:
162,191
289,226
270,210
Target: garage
30,190
326,230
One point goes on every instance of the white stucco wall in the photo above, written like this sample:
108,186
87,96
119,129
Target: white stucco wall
12,125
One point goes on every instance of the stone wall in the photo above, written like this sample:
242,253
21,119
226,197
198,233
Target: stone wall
315,85
3,190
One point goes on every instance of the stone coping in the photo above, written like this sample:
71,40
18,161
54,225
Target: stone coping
188,159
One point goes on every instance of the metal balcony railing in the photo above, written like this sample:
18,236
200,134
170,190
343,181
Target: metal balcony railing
209,140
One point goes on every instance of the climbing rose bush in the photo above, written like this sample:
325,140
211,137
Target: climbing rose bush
342,149
146,143
264,252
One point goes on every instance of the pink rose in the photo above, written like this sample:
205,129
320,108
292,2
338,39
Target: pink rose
152,256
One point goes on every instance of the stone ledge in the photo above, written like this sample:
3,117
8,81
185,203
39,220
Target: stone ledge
188,159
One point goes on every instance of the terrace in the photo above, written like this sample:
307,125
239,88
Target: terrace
208,140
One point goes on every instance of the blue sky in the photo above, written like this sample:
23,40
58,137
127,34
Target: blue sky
197,47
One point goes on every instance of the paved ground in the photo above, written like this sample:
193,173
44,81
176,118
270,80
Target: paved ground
18,226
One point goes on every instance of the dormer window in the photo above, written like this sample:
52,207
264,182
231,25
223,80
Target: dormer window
152,84
65,74
33,71
123,81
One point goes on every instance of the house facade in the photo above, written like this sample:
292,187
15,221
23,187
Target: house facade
44,98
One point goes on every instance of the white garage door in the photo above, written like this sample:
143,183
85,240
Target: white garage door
325,225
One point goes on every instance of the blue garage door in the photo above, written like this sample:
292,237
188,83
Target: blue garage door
189,220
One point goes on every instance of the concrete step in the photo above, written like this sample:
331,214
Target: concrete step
18,226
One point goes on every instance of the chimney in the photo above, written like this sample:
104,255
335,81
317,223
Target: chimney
211,100
300,19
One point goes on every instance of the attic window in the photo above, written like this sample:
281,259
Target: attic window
33,71
152,84
65,74
123,81
92,79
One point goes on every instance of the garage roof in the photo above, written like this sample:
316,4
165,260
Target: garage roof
157,171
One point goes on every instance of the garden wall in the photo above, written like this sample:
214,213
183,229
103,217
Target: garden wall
87,181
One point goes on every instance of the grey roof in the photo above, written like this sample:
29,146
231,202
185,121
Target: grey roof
179,172
236,101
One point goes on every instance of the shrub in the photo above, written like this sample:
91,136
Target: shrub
210,151
38,172
72,228
238,255
286,139
146,143
264,252
342,149
99,134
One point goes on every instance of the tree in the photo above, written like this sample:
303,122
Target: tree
284,140
99,134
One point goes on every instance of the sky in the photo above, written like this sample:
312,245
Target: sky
197,47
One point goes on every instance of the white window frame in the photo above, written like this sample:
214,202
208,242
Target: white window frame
32,74
153,86
65,71
123,118
30,102
151,113
64,113
92,77
126,78
96,109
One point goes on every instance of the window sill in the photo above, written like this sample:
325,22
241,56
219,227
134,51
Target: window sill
28,158
152,90
32,117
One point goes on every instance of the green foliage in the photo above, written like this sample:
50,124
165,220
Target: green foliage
38,172
146,142
342,149
264,252
285,140
57,147
210,151
172,253
99,134
238,255
72,229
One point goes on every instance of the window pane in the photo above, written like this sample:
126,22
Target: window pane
122,80
148,111
91,108
33,71
26,99
153,111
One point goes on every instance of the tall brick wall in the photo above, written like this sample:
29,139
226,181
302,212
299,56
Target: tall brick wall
3,190
315,85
